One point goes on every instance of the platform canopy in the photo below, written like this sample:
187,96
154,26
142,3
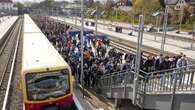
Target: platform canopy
76,31
98,36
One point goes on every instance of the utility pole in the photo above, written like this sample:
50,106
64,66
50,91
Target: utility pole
82,39
159,23
133,20
193,36
96,18
64,14
181,19
164,30
76,16
138,57
116,12
157,18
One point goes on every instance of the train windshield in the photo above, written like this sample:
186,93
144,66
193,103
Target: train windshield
41,86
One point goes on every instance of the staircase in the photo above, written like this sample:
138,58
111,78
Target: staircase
172,89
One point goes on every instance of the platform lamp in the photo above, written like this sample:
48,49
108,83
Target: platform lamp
164,28
75,12
96,17
138,58
82,41
193,36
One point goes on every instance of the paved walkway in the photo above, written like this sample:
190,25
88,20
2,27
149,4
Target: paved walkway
80,101
6,24
128,25
146,42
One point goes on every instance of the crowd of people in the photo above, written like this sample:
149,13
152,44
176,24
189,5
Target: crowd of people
99,57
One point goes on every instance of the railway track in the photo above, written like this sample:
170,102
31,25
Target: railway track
174,37
15,99
128,46
7,62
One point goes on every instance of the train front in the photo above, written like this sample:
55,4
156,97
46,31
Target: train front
48,91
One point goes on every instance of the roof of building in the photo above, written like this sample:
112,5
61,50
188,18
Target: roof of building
174,2
171,2
6,1
192,1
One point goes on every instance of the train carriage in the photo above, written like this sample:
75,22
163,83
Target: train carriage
46,78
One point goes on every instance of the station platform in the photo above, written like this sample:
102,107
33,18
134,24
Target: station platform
85,100
128,26
6,25
3,18
146,42
80,101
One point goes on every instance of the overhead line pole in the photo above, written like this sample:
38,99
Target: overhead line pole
164,30
181,19
82,39
193,37
96,19
138,57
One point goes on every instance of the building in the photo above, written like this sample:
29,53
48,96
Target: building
125,5
178,5
181,4
6,7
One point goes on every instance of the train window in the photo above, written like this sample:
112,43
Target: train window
41,86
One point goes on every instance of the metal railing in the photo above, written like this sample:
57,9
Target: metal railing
117,79
165,81
121,79
172,80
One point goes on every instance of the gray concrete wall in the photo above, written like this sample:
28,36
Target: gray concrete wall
163,102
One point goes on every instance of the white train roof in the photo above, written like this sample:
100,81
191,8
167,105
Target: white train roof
29,25
38,53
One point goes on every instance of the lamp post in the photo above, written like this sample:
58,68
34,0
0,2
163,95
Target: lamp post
64,13
138,56
133,23
82,39
96,18
76,15
193,37
159,23
157,18
164,30
181,18
116,12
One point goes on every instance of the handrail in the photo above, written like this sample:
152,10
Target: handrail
116,72
172,69
161,71
123,71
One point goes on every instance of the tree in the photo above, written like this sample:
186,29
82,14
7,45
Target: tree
146,6
162,3
19,5
48,3
89,3
109,4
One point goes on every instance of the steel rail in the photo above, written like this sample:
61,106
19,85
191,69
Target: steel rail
11,72
2,50
9,60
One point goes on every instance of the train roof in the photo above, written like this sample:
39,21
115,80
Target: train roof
39,53
29,25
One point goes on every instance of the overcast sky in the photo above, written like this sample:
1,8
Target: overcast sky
42,0
36,0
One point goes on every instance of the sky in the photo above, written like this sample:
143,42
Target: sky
35,0
42,0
